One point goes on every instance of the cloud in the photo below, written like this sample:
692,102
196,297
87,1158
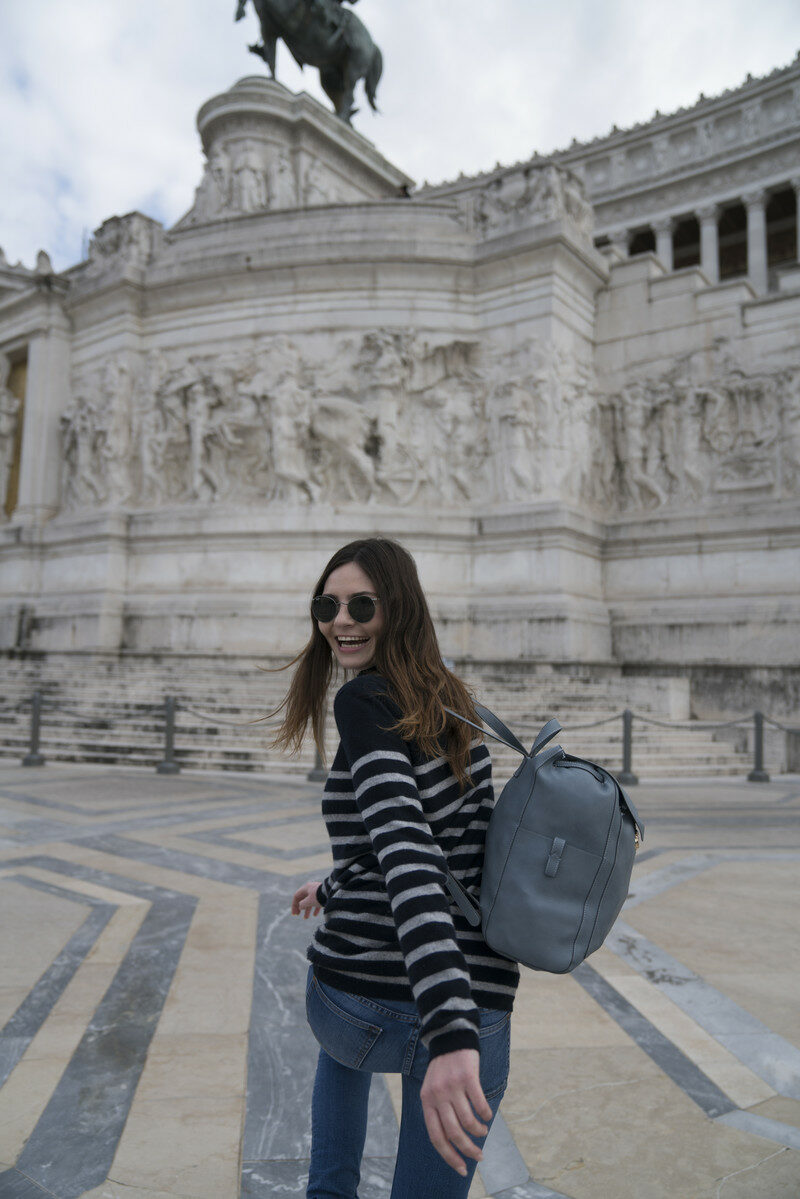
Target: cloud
100,99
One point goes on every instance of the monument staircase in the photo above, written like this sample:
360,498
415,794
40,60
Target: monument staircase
110,709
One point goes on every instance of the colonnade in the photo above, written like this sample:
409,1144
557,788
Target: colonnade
708,216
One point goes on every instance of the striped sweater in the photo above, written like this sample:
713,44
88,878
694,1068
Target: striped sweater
396,821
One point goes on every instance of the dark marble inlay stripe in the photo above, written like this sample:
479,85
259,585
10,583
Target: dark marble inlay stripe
175,859
529,1190
73,1144
265,1179
14,1185
33,831
18,1032
103,878
675,1064
282,1052
270,851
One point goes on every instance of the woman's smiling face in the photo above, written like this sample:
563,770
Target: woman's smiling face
352,643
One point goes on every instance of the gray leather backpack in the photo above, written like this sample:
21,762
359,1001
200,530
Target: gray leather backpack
559,853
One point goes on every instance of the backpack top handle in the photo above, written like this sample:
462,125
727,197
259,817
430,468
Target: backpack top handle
503,734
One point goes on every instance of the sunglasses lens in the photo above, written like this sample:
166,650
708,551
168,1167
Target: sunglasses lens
323,608
361,608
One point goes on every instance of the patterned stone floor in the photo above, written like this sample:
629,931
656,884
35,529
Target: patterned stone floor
152,1034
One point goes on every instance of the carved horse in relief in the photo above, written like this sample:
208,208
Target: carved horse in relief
323,34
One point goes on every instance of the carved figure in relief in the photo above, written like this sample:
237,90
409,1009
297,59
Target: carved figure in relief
637,448
290,417
679,441
317,188
383,373
249,182
79,433
113,429
790,432
213,195
9,414
150,432
282,188
513,437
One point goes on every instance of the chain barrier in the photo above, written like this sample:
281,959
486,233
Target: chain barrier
220,720
570,728
694,724
168,709
783,727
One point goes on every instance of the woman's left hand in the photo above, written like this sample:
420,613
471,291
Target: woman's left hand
452,1102
305,900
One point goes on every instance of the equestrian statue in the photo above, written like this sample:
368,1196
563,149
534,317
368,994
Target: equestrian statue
323,34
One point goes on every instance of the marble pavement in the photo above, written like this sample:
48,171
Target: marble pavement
152,1034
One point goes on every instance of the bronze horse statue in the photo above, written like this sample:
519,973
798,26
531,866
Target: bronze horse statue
323,34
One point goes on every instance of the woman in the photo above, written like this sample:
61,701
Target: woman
399,982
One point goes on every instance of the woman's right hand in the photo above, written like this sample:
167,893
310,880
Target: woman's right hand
305,900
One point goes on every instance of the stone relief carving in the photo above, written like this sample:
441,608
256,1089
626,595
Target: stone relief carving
9,415
122,242
530,196
390,417
693,433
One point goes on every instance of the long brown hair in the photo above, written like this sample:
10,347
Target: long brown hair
406,655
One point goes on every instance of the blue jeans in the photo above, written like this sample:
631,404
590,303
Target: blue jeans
360,1037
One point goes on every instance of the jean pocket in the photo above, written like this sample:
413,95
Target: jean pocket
344,1037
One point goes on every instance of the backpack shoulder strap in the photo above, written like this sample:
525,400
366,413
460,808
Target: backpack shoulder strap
501,732
464,901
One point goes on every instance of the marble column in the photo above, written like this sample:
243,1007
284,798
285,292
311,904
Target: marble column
619,240
663,230
756,203
709,242
796,185
46,396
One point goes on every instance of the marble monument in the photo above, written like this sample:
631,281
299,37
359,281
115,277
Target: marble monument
571,386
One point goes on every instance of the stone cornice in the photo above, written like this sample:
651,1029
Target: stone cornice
748,135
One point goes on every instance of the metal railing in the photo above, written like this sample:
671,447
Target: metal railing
167,712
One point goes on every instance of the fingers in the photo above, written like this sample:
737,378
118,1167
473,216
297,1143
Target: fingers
441,1142
305,900
478,1100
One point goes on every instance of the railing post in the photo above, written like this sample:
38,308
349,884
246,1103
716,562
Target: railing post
627,777
169,765
33,757
758,774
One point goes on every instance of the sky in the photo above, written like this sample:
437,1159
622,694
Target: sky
99,97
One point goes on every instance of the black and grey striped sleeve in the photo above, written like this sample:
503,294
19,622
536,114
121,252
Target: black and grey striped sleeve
412,863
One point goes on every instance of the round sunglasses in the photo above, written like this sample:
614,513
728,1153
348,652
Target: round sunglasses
362,608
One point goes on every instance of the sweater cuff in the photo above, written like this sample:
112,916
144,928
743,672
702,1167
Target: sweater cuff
322,895
449,1041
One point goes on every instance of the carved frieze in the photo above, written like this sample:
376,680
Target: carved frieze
9,416
692,435
532,196
389,417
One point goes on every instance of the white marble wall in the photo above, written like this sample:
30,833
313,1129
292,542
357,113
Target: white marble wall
590,458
